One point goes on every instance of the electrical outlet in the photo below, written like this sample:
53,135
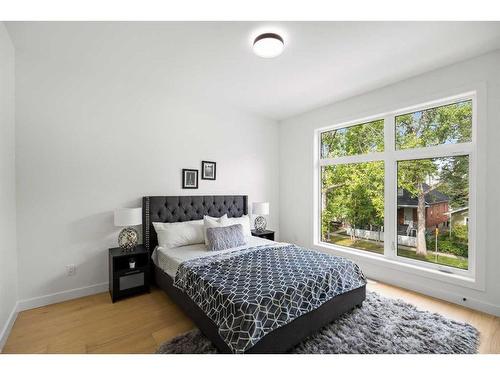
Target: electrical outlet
70,270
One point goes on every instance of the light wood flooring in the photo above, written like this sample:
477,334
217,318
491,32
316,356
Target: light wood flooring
140,324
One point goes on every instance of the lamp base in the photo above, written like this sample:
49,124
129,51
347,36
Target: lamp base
260,223
128,238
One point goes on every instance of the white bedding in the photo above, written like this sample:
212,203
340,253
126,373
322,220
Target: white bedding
170,259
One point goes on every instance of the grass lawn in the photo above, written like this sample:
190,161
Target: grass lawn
372,246
378,247
431,257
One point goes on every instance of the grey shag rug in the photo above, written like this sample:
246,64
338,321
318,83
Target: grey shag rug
380,326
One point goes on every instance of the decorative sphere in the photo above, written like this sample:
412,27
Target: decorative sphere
128,238
260,223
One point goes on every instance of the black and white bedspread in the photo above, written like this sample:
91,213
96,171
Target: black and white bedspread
251,292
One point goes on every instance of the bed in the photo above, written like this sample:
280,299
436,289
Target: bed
195,279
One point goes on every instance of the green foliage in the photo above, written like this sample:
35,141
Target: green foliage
354,193
413,173
353,140
435,126
440,125
449,245
460,233
455,178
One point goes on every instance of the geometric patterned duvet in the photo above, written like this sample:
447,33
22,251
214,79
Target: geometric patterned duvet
249,293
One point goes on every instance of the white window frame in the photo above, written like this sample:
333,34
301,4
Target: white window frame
390,156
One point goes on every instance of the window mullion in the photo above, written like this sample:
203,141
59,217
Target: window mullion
389,188
435,151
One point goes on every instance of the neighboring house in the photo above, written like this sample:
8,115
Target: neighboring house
436,208
459,216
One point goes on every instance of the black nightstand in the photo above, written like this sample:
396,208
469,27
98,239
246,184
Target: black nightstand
123,280
267,234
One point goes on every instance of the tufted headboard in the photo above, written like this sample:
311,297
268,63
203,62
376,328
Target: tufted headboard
184,208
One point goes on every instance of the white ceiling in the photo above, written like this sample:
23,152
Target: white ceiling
323,62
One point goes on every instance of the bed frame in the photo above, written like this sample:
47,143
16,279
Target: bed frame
184,208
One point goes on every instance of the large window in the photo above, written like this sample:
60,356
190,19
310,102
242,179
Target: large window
397,186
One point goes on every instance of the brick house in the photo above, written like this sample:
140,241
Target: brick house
436,209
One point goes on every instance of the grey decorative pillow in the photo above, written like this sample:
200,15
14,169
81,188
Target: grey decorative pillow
221,238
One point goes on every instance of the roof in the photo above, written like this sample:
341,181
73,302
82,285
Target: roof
432,197
458,210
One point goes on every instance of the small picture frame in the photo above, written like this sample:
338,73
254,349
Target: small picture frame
190,179
208,170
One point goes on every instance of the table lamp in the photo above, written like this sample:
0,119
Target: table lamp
128,217
260,208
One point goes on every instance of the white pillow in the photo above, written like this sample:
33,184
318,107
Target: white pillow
243,220
179,234
212,222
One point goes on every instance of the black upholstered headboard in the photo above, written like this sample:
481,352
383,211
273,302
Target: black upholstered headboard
184,208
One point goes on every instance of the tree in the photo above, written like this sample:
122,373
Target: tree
354,140
346,195
349,198
412,175
455,177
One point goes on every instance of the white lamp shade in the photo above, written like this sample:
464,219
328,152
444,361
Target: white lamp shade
260,208
127,217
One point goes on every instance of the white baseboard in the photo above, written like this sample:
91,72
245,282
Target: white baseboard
4,334
445,295
49,299
458,299
45,300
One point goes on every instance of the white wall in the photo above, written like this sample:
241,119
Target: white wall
94,135
296,169
8,254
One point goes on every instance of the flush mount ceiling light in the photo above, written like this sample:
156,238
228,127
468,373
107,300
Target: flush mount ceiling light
268,45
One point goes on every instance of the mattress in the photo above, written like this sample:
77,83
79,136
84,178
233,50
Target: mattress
169,260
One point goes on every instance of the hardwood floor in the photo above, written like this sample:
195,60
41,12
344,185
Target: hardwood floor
95,325
140,324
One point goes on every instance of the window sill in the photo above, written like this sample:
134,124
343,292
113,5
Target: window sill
380,260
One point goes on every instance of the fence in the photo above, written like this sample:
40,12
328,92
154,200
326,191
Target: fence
379,236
